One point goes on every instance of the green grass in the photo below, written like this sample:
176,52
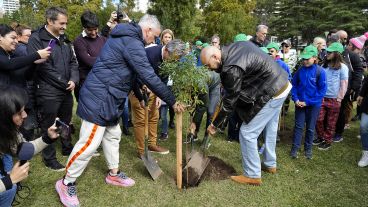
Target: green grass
331,178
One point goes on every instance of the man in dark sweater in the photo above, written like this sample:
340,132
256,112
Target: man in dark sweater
155,55
87,47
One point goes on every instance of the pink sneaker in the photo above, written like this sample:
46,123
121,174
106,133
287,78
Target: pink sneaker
120,180
67,194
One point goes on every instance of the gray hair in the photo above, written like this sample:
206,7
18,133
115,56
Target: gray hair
261,27
176,47
215,36
150,21
53,12
317,40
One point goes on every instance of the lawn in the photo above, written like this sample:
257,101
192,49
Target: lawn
331,178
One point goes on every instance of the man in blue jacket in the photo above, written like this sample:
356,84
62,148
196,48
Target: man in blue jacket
102,98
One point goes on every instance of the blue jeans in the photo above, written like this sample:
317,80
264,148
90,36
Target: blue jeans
163,116
7,197
125,114
266,120
364,131
305,116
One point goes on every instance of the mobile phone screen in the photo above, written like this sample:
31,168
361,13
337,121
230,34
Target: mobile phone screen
52,43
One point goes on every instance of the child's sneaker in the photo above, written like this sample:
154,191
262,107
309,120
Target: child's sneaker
324,146
337,138
317,141
294,153
120,180
67,193
308,154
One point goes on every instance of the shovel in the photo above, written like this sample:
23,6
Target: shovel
149,162
196,165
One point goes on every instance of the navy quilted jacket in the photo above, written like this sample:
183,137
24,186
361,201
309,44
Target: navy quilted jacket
122,59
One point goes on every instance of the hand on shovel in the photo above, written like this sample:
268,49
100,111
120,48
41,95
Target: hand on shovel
211,129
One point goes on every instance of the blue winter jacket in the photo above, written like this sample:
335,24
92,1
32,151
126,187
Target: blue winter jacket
284,66
123,58
307,87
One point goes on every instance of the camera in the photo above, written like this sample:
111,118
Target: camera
120,15
62,128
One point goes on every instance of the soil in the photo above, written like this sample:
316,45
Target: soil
216,169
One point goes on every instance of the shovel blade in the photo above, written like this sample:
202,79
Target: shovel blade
194,169
151,165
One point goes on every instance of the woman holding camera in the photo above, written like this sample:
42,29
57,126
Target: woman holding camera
12,102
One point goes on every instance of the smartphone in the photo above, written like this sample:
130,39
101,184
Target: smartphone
62,128
52,43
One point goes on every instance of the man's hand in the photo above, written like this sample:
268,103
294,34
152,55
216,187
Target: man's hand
178,107
158,102
19,173
359,100
142,104
71,86
211,129
52,132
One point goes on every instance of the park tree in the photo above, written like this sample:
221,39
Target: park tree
228,18
178,16
308,19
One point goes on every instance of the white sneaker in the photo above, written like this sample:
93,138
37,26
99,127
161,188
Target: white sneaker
364,160
358,136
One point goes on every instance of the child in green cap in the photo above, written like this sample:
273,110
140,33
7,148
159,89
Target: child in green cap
337,74
309,88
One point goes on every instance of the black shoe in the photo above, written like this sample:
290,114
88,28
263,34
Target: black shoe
324,146
163,137
55,166
278,139
171,125
126,131
355,118
72,128
317,141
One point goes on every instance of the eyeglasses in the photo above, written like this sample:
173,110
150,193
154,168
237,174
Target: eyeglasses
214,42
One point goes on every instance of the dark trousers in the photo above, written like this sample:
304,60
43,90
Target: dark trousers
234,126
306,116
60,107
344,115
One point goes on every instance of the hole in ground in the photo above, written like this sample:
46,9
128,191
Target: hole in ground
216,169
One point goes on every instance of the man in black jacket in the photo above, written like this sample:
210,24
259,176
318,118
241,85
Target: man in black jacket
354,64
260,38
256,87
55,79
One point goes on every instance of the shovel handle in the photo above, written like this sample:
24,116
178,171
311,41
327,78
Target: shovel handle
179,149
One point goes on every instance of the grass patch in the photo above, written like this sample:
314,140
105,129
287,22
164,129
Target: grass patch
331,178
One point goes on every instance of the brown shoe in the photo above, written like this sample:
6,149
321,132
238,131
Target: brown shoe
271,170
158,149
245,180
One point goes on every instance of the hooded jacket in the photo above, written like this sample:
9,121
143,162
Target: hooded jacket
53,75
122,59
250,78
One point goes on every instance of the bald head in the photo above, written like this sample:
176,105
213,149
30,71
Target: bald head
211,57
343,36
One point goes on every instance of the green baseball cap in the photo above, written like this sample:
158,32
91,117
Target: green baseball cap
335,47
199,43
264,49
240,37
308,52
205,45
273,45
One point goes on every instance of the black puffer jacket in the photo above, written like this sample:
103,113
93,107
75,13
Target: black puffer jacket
60,68
355,66
250,78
